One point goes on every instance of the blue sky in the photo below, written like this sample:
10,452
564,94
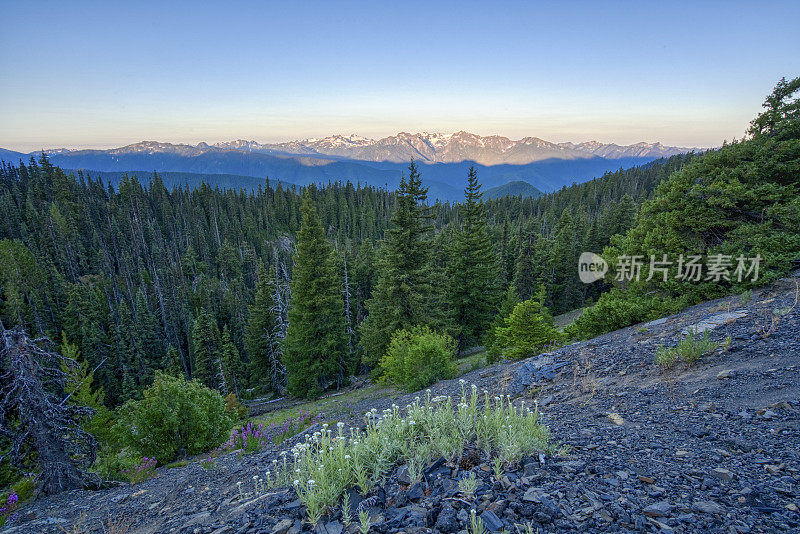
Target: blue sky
111,73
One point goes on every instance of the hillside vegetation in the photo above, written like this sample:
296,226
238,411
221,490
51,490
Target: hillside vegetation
278,290
736,203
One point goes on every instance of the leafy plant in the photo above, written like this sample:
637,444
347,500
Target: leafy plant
176,417
475,523
145,470
688,349
527,331
620,308
363,521
327,463
418,357
468,485
233,406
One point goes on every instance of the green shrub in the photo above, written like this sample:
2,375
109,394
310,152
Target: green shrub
688,349
666,356
527,331
493,348
175,417
112,461
418,357
232,405
620,308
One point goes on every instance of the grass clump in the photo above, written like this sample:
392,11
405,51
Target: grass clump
328,462
689,350
468,485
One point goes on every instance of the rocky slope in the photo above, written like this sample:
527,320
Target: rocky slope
714,447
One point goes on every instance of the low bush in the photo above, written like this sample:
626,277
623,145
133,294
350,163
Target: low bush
234,407
144,470
526,331
174,418
688,349
620,308
418,357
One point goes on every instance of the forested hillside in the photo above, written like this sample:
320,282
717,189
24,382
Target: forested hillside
142,278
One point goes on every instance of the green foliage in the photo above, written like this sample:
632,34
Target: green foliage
143,470
331,461
418,357
207,349
620,308
688,349
666,357
114,460
403,296
472,270
315,349
15,496
741,200
80,391
494,350
174,418
234,407
527,330
259,338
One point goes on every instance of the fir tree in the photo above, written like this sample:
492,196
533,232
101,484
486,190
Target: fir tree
472,269
401,297
206,347
231,361
493,348
258,339
315,348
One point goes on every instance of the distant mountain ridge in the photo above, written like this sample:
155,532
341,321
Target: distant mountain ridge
454,148
512,189
444,160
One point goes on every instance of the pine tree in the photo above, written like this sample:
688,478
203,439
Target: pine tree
493,348
206,348
472,269
315,348
531,263
402,293
567,290
172,362
231,361
258,339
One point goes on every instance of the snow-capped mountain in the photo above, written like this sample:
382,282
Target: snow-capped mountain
444,159
454,148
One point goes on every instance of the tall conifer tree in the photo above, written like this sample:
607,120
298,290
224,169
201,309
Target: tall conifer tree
472,269
315,348
401,296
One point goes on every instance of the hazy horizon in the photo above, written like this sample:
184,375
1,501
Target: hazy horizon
100,75
211,142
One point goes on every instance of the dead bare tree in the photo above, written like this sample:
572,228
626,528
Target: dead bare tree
35,414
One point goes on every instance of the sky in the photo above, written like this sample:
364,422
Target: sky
106,74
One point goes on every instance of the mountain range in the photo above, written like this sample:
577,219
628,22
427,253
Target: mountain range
452,148
443,158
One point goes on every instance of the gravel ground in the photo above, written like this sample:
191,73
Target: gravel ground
709,448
